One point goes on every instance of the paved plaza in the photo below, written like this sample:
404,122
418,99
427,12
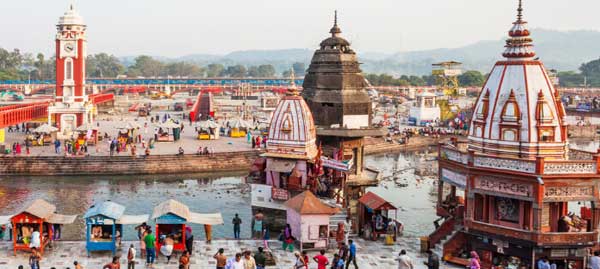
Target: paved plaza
371,255
110,124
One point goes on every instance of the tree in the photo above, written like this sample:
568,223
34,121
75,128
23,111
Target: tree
266,70
236,71
591,72
103,65
146,66
253,71
299,69
215,70
471,78
570,79
183,69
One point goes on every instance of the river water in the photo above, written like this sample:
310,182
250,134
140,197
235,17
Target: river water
408,183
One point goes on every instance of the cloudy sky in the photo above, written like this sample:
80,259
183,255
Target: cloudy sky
181,27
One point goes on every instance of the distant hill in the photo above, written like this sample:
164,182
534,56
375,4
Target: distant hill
562,50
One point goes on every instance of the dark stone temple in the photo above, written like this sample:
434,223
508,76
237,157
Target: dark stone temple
336,92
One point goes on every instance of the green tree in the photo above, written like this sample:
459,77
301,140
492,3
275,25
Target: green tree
591,72
146,66
570,79
103,65
236,71
215,70
253,71
299,69
471,78
184,69
266,70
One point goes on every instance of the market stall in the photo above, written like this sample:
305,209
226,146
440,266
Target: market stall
43,135
239,127
35,225
87,133
172,217
207,130
309,219
374,216
163,131
104,222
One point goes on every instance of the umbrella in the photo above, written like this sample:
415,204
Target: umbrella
207,124
45,128
239,123
86,127
169,125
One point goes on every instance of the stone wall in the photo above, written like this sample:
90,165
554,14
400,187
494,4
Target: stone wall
123,165
588,131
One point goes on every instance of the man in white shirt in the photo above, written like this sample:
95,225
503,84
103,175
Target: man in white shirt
595,260
131,257
404,262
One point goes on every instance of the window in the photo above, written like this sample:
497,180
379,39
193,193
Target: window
509,135
547,135
479,207
508,210
69,68
478,131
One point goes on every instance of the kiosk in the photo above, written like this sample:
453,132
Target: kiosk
38,218
104,226
171,218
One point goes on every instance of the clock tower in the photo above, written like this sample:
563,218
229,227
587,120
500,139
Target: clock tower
71,106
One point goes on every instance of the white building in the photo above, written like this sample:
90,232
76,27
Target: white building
424,110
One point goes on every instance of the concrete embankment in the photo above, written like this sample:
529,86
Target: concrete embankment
587,131
164,164
127,165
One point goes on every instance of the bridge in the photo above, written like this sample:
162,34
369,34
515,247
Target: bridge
16,114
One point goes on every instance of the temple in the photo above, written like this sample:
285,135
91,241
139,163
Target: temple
335,90
514,192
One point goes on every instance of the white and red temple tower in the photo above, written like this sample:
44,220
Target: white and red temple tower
71,106
514,192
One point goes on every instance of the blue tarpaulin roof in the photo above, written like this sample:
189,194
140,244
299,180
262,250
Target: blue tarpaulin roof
108,209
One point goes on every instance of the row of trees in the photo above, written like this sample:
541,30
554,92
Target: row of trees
15,65
588,75
466,79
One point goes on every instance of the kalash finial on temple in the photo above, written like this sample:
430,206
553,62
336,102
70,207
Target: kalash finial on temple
335,30
293,89
519,44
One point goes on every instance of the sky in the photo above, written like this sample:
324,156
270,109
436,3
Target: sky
181,27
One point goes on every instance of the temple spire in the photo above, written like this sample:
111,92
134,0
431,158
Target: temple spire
335,30
520,11
292,90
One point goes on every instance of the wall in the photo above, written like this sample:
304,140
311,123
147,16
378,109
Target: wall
119,165
588,131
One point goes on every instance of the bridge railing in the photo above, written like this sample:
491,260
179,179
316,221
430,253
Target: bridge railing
24,113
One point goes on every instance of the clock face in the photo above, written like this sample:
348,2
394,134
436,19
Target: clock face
69,47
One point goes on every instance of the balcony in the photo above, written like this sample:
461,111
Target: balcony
546,239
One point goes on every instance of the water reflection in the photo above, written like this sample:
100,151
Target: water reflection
408,184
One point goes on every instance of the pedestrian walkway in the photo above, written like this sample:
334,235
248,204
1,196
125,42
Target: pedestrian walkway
370,255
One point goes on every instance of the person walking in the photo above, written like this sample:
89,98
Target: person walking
131,257
299,264
321,260
249,262
184,260
114,264
260,259
288,238
221,259
257,225
150,241
236,226
433,261
343,251
34,259
352,257
595,260
404,261
474,261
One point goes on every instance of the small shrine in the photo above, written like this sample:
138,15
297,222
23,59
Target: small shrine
309,219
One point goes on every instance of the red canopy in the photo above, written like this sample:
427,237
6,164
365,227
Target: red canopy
375,202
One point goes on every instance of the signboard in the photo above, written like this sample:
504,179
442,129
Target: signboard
280,194
454,178
337,165
2,135
99,220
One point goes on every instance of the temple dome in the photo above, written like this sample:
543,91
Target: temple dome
518,112
292,129
71,17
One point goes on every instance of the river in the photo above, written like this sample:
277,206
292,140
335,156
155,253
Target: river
413,195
